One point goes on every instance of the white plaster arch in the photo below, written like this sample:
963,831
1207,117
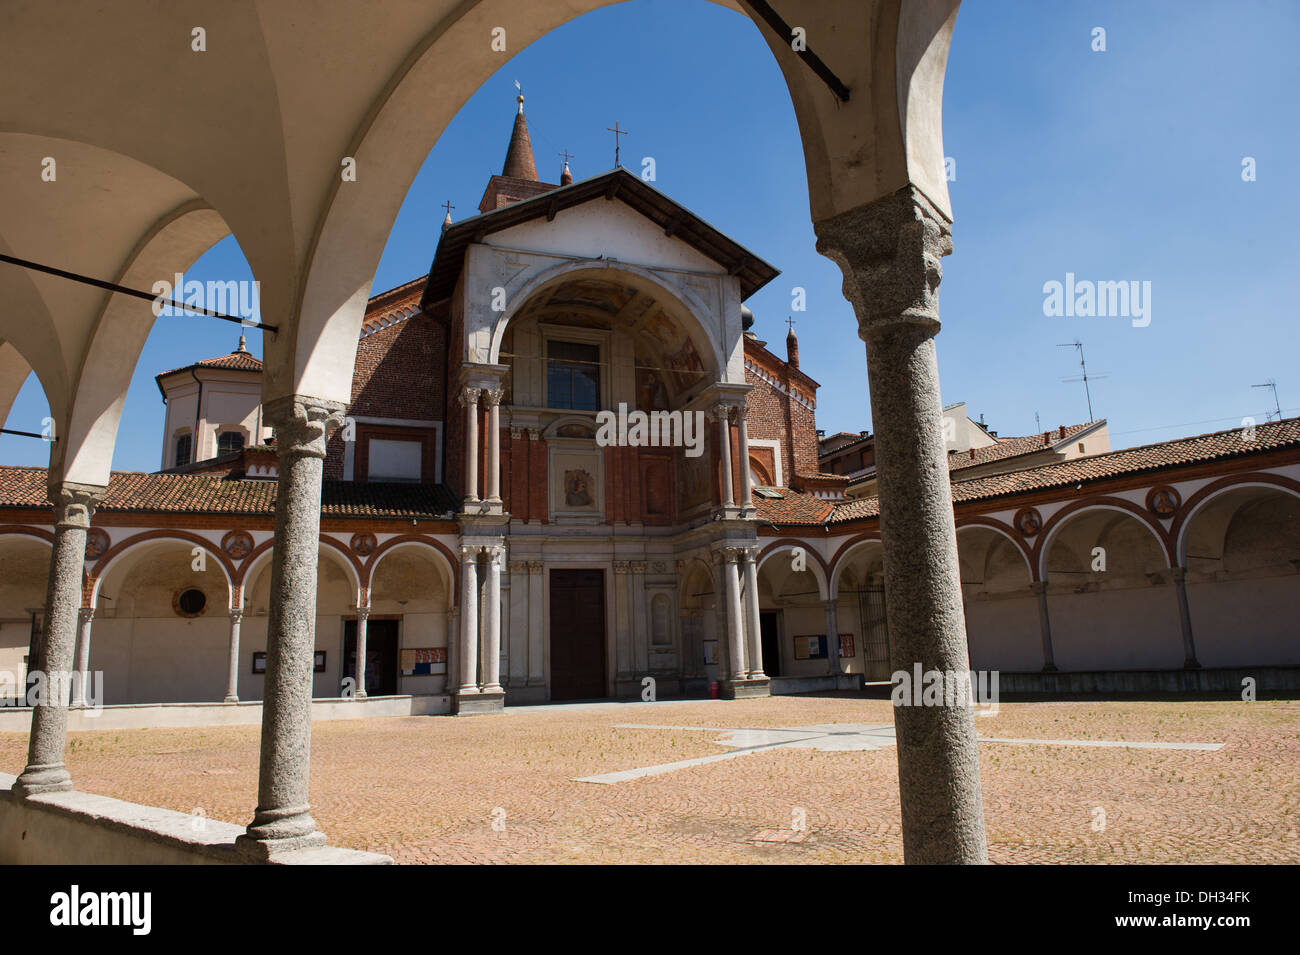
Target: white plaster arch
1180,544
446,572
837,569
1029,567
137,549
335,555
684,306
1052,533
814,567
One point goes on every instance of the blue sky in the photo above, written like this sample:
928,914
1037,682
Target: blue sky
1115,165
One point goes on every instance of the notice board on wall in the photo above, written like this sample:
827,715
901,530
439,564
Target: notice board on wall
424,661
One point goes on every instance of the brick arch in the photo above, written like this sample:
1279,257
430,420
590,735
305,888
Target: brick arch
255,555
833,578
1183,519
759,470
1104,502
1010,533
109,556
785,543
452,564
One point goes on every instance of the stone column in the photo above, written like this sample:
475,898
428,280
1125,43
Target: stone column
492,621
471,445
622,623
536,623
73,506
640,620
84,617
232,656
449,681
283,818
1039,587
1185,619
493,398
735,632
832,608
755,633
889,252
722,414
746,494
468,620
359,671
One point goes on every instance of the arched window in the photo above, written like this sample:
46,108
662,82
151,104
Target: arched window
183,444
228,442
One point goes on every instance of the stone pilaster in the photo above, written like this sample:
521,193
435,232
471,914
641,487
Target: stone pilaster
470,397
359,671
492,397
754,632
492,620
889,252
1039,587
722,415
45,772
468,621
742,432
283,818
232,656
1185,618
623,660
85,616
536,623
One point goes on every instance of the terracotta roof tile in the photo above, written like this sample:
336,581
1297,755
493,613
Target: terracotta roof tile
1013,447
1149,457
793,507
216,494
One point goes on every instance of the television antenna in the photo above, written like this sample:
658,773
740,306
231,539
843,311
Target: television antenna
1076,344
1271,384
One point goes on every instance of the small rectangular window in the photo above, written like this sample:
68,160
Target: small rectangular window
230,441
183,450
572,376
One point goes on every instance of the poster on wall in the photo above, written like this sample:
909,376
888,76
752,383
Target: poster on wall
846,645
424,661
810,648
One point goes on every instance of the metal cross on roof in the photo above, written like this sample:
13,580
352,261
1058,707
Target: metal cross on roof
617,133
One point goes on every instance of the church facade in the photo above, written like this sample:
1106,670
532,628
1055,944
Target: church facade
570,470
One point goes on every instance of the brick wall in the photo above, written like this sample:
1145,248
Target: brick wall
399,373
772,414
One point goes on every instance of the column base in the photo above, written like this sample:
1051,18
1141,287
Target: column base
465,703
746,689
52,778
264,849
279,830
231,699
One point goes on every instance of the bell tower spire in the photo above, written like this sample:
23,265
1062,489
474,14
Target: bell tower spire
519,156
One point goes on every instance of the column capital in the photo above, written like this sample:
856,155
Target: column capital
470,395
622,566
1038,586
469,553
492,396
720,412
74,504
639,566
302,424
363,613
1180,573
516,433
831,604
236,615
889,252
536,566
494,552
534,434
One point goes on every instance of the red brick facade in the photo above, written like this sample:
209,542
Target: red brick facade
774,415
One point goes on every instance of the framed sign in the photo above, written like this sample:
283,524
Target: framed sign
259,662
810,648
318,661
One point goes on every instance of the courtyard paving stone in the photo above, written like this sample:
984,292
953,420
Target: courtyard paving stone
504,788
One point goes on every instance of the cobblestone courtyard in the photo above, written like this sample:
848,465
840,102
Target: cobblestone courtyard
503,788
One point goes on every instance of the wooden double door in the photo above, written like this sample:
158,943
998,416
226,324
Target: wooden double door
578,635
381,655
